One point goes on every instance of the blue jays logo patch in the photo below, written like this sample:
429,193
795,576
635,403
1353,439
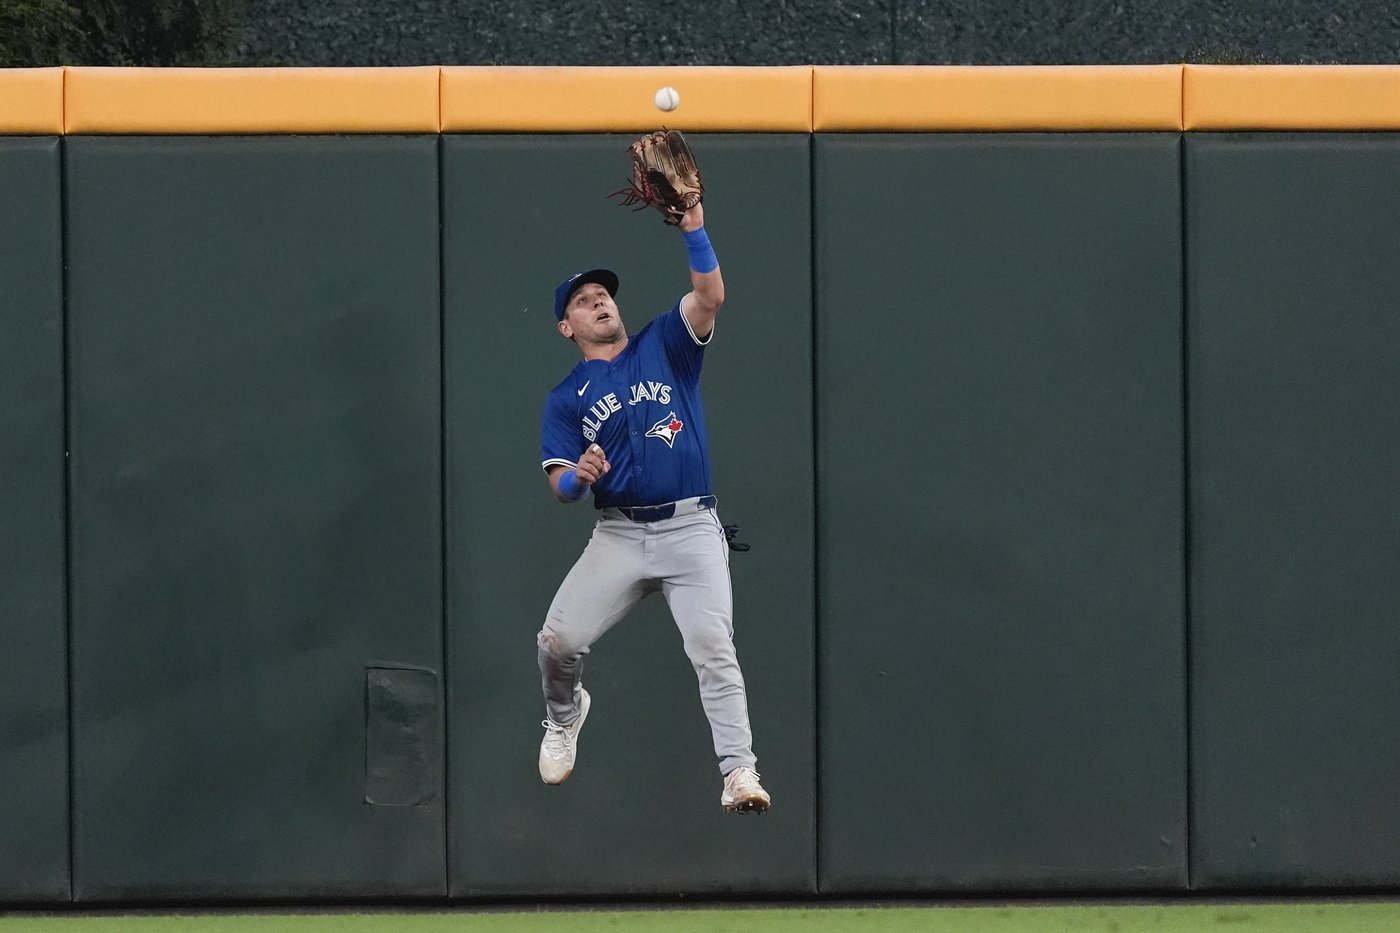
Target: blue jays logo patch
667,429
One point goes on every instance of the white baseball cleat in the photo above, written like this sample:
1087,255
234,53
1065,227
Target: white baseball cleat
560,745
743,793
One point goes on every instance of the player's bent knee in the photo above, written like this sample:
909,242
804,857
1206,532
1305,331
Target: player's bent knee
555,645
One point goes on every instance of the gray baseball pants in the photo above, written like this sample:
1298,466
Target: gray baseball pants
686,559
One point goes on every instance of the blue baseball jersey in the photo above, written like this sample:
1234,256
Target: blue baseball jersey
644,410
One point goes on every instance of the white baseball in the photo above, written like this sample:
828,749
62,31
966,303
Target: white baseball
667,98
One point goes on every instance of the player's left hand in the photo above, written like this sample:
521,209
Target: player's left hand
664,176
693,219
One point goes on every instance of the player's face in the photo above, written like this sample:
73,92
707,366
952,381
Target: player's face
592,316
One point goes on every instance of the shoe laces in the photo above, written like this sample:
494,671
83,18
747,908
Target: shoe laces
556,739
742,775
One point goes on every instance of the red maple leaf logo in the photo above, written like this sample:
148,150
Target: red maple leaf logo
667,429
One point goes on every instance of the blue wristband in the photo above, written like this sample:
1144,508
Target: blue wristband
702,254
571,487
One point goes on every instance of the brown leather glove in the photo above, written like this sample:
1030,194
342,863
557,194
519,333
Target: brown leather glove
664,176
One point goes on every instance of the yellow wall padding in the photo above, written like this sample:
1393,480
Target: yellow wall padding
1291,97
31,101
501,99
791,99
857,98
252,100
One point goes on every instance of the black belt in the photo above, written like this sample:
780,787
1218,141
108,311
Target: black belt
659,513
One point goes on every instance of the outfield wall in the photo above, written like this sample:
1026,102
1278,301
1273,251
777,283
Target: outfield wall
1058,405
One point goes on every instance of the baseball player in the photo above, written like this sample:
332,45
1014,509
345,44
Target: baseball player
627,426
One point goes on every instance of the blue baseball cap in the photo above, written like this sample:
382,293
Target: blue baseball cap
566,289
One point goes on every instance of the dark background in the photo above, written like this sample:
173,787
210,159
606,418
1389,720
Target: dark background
855,32
705,32
1069,480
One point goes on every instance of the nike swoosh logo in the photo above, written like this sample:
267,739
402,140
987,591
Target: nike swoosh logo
584,389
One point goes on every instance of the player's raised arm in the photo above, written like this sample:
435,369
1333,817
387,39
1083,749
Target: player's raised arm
707,284
665,176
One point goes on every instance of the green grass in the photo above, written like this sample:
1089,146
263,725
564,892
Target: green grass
1227,918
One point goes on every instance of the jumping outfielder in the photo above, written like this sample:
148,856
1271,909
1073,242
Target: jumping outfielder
628,426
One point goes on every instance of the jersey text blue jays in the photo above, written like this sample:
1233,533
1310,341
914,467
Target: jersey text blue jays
644,409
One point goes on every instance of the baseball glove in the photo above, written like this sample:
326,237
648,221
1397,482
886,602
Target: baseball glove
664,176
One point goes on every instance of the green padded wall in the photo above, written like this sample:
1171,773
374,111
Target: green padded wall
256,538
1295,516
641,813
999,470
33,635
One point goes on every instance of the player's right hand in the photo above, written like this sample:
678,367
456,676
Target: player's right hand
592,465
